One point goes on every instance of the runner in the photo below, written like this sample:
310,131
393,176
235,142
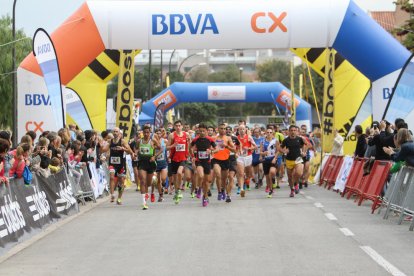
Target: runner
221,162
294,148
133,146
232,164
147,164
203,146
280,165
244,161
162,165
256,160
178,144
303,181
117,164
268,151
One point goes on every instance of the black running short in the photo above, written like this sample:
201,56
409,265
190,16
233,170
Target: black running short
175,166
224,164
266,167
206,166
147,166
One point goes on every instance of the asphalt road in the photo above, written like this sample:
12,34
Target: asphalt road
315,233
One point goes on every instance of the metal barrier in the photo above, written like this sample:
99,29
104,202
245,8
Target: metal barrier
85,184
76,188
375,183
397,190
408,203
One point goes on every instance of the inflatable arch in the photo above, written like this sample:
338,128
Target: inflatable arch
100,25
181,92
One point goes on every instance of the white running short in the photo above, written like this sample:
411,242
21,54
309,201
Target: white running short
245,160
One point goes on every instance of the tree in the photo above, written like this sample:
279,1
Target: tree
406,30
141,81
199,112
23,48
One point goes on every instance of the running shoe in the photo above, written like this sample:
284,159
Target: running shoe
270,194
198,193
292,193
176,199
209,193
146,196
144,207
256,186
260,182
219,196
300,185
205,202
160,199
112,198
274,185
242,193
267,189
119,201
238,190
152,198
228,199
277,186
248,187
192,195
223,195
306,184
296,188
180,194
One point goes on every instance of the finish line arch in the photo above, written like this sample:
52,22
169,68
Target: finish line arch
101,25
266,92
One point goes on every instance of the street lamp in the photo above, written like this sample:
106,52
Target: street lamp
241,72
196,54
14,76
200,64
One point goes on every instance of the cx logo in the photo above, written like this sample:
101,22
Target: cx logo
35,126
276,22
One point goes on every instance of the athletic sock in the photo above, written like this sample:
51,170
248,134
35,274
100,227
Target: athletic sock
144,202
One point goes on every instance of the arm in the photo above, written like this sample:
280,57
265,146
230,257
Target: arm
127,148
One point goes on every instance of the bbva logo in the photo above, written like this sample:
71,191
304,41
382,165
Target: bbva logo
37,99
177,24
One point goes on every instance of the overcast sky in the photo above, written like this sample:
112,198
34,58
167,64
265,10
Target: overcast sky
49,14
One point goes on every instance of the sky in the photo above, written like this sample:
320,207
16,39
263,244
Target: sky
49,14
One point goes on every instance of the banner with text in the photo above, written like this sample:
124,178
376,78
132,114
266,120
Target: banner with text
328,103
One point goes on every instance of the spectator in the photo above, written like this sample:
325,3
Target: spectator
338,142
54,166
26,139
21,155
4,148
32,135
404,141
361,145
381,139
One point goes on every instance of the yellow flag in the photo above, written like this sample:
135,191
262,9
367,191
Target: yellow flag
328,103
125,99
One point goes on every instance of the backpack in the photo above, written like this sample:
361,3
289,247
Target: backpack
27,175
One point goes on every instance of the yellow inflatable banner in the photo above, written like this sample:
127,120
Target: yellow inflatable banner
328,103
125,99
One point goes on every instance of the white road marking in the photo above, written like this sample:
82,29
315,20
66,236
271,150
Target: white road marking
318,205
330,216
309,197
346,232
382,262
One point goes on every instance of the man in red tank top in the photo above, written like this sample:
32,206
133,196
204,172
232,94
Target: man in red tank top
178,144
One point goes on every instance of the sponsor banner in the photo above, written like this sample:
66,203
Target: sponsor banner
130,169
328,125
76,109
44,51
94,180
381,93
401,104
343,173
125,99
168,98
27,207
285,99
224,93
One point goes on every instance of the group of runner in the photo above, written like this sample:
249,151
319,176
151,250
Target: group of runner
209,156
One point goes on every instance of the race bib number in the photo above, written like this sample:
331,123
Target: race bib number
144,151
115,160
220,144
180,147
160,157
244,152
203,155
257,151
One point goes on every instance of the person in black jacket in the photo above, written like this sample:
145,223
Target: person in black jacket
361,145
